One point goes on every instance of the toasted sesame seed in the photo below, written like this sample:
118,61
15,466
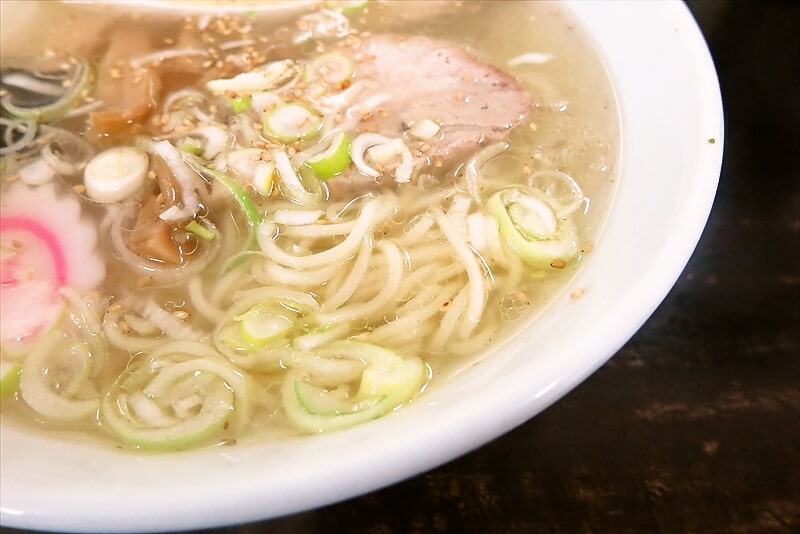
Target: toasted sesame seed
578,293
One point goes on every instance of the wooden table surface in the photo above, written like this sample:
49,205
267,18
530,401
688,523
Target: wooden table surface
694,426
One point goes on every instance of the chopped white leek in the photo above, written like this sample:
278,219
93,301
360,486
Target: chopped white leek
186,178
253,165
424,129
115,174
264,101
300,189
267,77
243,162
358,149
291,122
213,140
384,152
263,177
37,172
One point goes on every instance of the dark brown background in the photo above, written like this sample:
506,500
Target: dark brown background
694,426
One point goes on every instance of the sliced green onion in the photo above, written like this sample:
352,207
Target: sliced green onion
313,404
67,394
9,379
331,69
249,207
60,89
192,148
530,227
333,160
257,345
183,395
321,335
66,153
291,122
241,103
140,325
18,135
262,325
212,140
563,191
199,230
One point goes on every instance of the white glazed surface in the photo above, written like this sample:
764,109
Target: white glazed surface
670,107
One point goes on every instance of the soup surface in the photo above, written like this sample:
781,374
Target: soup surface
220,227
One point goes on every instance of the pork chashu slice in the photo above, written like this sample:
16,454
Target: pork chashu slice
400,80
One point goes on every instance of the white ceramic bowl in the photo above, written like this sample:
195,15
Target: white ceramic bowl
670,107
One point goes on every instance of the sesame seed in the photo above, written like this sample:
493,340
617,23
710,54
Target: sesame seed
578,293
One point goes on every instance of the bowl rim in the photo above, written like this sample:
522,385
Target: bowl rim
410,444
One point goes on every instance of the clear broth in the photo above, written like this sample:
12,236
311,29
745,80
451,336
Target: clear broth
573,128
